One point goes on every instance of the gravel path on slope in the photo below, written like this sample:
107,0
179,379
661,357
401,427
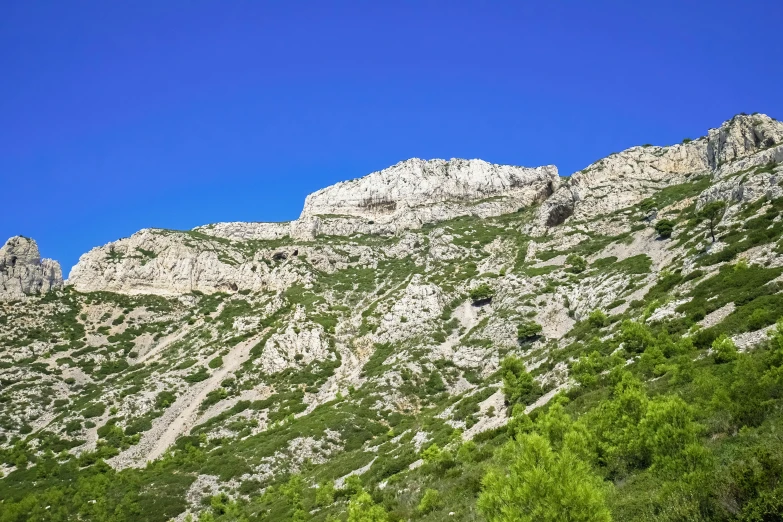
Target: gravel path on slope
181,416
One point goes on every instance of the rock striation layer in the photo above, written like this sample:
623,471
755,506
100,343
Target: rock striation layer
740,157
23,272
414,192
626,178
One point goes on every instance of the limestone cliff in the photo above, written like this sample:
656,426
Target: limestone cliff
625,178
23,272
416,191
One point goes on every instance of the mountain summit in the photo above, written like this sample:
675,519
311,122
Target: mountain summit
439,340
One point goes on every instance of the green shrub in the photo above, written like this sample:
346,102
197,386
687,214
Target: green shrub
430,501
664,228
597,318
577,264
164,399
724,350
199,375
636,337
646,205
217,362
481,294
528,331
94,410
518,385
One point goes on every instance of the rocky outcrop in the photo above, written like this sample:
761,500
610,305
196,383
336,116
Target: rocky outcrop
168,263
23,272
416,191
406,196
625,178
740,156
239,231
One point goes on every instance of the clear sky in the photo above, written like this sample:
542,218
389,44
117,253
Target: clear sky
116,116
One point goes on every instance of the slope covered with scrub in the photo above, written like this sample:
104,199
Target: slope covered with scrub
414,336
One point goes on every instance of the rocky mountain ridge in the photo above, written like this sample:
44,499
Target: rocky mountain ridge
416,192
23,272
275,371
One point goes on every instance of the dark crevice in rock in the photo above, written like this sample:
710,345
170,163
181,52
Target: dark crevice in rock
559,213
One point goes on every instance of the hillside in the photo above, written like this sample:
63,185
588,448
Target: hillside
610,337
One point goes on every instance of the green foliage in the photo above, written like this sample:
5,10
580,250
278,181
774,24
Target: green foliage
164,399
528,331
324,495
647,205
201,374
430,501
597,319
636,337
362,508
533,483
713,213
217,362
483,293
724,350
577,264
664,228
94,410
518,385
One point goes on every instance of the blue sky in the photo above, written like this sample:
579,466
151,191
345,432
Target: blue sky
116,116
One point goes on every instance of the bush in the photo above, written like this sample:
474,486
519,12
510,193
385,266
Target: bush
597,319
636,337
94,410
518,385
577,263
165,399
482,294
217,362
664,228
528,331
647,205
199,375
724,350
430,501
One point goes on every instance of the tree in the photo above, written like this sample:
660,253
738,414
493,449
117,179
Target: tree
647,205
537,484
636,337
324,495
578,263
528,331
664,228
518,385
713,213
482,294
430,501
724,350
361,508
597,319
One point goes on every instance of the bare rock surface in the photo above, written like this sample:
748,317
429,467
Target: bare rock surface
627,177
23,272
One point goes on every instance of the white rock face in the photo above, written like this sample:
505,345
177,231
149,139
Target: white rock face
294,347
402,197
416,191
417,305
23,272
240,231
625,178
169,263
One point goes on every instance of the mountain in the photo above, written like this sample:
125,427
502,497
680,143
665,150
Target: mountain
415,332
23,272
